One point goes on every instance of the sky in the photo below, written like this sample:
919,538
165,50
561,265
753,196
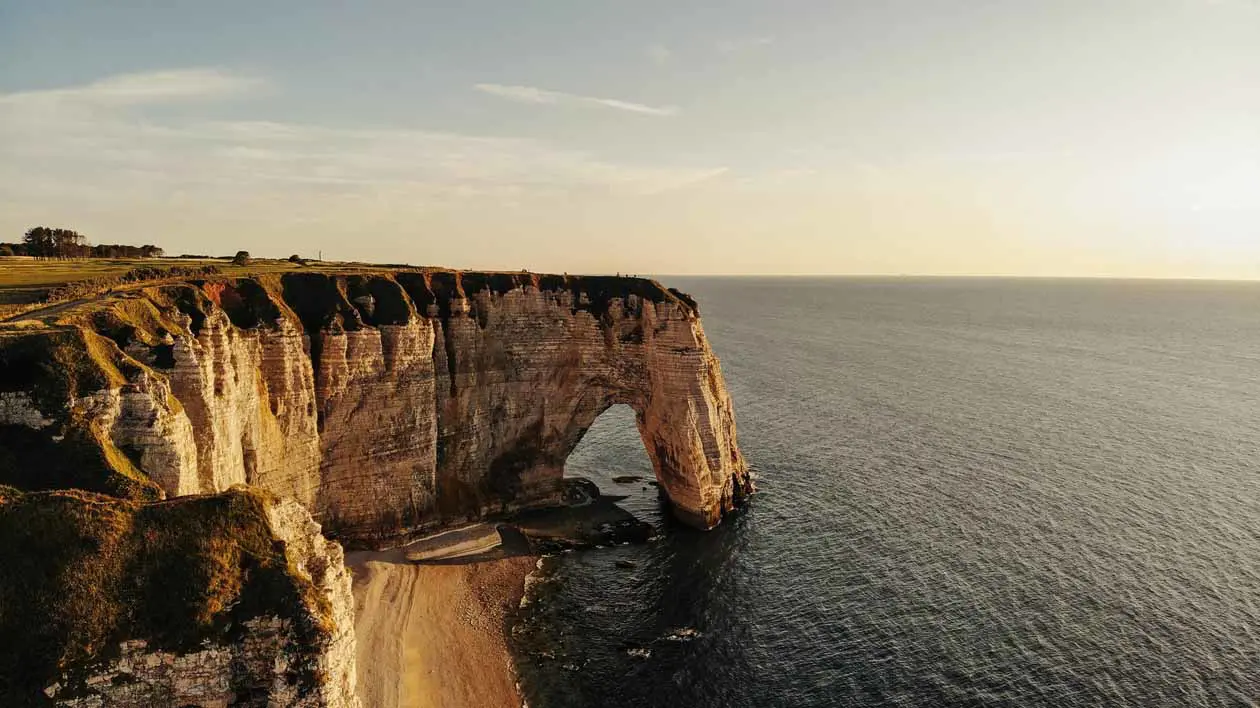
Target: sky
951,137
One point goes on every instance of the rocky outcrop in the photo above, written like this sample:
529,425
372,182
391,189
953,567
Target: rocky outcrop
388,402
235,599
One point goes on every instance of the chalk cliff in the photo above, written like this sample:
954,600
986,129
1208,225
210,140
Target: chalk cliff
375,403
391,402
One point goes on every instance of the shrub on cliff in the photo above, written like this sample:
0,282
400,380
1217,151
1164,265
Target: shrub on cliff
55,367
93,286
84,572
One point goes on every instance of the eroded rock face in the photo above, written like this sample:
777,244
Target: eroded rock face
530,371
248,395
235,599
142,419
391,402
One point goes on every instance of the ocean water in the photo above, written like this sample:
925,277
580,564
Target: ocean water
973,492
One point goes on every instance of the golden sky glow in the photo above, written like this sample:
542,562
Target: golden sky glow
1101,138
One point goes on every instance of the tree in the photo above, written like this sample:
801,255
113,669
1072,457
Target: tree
241,258
68,244
55,243
45,242
7,250
39,241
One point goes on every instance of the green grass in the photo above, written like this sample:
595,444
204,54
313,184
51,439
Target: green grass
84,572
48,274
24,282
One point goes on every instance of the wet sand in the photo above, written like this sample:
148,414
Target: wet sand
434,635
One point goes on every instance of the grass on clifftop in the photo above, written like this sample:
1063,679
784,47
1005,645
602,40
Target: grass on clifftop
83,572
25,282
37,277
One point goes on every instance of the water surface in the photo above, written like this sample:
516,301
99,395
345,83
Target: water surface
973,493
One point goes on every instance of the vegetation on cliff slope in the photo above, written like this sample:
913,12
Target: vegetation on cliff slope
54,367
83,572
73,456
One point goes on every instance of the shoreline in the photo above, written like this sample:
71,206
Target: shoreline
435,635
433,618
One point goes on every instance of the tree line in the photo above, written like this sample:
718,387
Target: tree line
45,242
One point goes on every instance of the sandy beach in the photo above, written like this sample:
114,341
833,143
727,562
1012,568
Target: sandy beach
433,635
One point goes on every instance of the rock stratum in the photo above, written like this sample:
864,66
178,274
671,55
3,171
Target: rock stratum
376,404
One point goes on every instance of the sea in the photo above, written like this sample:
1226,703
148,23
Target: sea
972,492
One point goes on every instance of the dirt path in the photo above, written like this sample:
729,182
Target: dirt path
49,310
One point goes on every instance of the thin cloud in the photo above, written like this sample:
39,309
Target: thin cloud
120,154
144,87
659,54
532,94
734,46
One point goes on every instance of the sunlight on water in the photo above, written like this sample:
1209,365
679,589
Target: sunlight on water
974,492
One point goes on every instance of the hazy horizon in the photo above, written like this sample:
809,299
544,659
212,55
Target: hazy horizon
1113,139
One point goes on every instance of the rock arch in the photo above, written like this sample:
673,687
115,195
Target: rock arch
541,373
492,381
388,402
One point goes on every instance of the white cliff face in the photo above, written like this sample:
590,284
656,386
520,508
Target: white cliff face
212,677
527,375
249,397
18,408
323,563
432,405
378,439
143,421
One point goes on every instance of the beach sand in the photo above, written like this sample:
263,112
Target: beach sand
434,635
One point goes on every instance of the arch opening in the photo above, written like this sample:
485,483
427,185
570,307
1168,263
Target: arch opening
611,454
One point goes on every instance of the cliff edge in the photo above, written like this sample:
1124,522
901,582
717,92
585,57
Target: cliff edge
385,402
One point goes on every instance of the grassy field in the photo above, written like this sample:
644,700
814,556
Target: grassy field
25,282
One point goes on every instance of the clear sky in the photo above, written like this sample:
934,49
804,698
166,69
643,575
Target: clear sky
1051,137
